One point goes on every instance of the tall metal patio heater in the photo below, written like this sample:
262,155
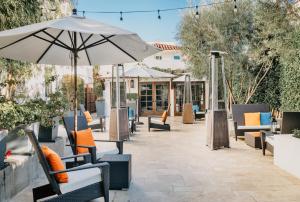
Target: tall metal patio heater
187,112
217,125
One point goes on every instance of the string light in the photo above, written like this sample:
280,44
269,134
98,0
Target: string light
121,16
235,7
159,11
158,15
197,12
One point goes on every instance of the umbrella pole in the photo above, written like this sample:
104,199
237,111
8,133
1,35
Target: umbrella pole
138,103
75,90
118,100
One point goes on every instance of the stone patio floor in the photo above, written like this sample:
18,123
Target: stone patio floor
177,166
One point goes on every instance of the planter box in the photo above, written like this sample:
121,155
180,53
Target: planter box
49,134
286,153
3,135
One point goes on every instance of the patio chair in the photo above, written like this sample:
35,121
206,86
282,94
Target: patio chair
100,111
238,111
85,183
197,113
96,154
94,125
290,122
132,119
154,122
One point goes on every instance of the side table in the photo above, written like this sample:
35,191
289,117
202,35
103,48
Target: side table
120,170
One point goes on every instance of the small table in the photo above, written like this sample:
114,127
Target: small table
120,170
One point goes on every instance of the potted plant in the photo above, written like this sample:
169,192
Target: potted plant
296,133
51,111
8,120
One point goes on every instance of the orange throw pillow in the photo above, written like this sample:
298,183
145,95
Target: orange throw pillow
164,116
252,119
85,138
56,164
88,116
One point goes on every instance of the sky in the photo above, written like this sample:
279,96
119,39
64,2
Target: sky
146,25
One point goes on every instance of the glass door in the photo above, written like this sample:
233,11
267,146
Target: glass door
162,97
146,98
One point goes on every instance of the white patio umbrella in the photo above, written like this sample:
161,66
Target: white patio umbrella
73,41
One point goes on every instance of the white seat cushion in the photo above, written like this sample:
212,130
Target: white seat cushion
156,120
102,153
81,178
270,140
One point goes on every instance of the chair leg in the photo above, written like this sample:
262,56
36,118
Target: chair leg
106,182
42,192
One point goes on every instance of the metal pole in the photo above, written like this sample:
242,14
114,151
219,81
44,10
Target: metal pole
75,87
118,100
138,103
224,83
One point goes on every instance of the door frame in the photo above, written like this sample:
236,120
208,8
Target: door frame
154,83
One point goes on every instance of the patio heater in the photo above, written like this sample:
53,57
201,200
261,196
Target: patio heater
217,125
187,112
118,123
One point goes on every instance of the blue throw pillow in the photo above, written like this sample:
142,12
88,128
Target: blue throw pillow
265,118
196,108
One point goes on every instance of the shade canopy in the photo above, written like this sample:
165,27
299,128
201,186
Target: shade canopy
142,71
193,79
54,42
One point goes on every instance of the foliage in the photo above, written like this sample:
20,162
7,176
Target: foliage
296,133
131,96
67,88
9,116
98,85
55,106
262,45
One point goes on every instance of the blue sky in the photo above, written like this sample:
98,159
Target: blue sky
146,25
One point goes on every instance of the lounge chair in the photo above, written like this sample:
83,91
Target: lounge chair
96,154
197,113
159,122
95,124
290,122
132,119
85,183
238,111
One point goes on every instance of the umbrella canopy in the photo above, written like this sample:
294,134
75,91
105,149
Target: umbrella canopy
143,71
193,79
73,41
54,42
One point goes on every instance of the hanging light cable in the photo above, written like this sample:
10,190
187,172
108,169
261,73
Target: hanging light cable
197,12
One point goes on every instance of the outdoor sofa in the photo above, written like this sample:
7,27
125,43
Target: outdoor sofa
238,115
85,182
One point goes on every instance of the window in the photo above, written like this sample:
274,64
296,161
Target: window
132,83
158,57
176,57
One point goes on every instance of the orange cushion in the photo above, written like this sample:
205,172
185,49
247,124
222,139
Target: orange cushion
88,116
164,116
56,164
252,119
84,137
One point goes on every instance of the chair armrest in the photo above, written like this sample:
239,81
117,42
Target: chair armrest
75,156
98,165
82,146
92,151
119,144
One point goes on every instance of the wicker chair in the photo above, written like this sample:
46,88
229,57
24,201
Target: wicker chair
86,182
82,125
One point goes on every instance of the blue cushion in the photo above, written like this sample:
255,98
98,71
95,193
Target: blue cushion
196,108
131,113
265,118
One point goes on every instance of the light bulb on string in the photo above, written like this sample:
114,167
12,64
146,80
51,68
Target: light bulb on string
235,7
121,16
158,14
197,12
